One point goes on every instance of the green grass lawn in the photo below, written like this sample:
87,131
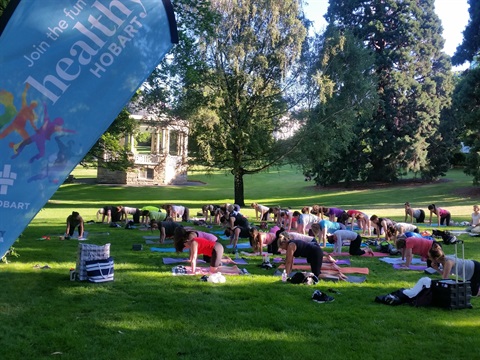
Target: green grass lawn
147,313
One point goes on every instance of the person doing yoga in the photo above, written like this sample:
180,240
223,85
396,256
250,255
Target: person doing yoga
452,265
298,248
212,251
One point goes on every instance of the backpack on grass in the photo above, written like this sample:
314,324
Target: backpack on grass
303,278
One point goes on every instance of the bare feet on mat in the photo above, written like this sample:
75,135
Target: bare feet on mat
330,258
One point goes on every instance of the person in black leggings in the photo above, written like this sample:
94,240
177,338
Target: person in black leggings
299,248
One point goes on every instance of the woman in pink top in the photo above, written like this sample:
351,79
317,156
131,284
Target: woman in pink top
181,234
259,239
196,233
443,215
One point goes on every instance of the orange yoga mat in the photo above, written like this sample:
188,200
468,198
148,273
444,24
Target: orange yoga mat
345,270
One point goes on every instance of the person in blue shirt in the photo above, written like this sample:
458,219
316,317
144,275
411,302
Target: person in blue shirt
324,227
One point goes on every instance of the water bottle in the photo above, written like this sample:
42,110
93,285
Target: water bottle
284,276
236,254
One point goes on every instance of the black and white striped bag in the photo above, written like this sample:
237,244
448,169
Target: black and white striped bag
99,271
89,252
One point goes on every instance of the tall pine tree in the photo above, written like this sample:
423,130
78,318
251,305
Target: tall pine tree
413,80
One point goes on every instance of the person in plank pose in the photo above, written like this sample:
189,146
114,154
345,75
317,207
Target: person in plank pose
212,251
452,265
355,242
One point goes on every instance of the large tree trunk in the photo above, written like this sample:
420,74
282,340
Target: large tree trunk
238,187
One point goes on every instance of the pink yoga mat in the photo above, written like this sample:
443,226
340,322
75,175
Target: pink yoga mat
224,270
170,261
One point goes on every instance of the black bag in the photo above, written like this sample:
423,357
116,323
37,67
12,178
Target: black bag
424,297
447,237
303,278
394,298
385,247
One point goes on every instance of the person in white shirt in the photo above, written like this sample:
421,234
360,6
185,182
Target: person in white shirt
475,221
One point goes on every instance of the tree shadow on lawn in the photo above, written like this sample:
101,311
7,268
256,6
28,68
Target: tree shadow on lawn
247,317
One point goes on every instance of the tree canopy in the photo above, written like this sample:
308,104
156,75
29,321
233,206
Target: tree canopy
468,49
235,81
413,81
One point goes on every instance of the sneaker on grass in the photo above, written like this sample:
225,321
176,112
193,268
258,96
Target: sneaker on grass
321,298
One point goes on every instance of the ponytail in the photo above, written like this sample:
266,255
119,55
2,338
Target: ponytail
436,253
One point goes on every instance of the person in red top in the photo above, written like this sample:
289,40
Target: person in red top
363,221
414,246
212,251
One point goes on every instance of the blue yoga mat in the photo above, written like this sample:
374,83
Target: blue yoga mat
240,246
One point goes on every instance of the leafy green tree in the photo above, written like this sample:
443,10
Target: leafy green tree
232,79
466,102
413,80
3,5
108,151
466,106
468,49
345,89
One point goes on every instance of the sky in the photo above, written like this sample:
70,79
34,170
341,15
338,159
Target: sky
453,14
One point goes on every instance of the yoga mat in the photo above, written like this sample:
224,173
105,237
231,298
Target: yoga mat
226,260
411,267
398,260
375,254
355,270
73,237
170,261
345,270
150,242
239,261
304,261
224,270
240,246
333,278
254,254
343,262
97,233
459,232
165,250
356,279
